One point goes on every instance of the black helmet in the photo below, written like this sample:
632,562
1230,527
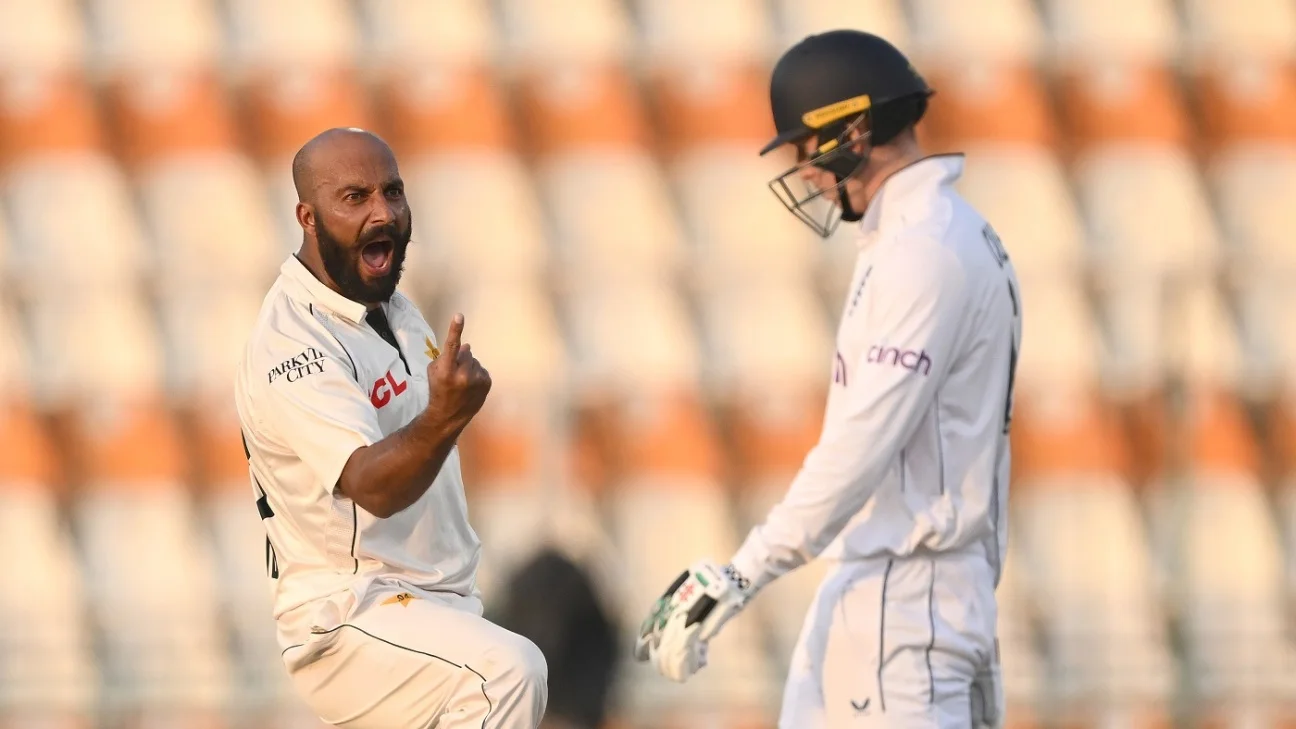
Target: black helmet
831,84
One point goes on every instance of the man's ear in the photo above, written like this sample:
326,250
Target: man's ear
306,217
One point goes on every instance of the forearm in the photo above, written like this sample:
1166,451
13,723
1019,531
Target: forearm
390,475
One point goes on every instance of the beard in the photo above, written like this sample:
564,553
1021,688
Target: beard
343,264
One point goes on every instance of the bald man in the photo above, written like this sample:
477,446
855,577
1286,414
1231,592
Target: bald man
350,414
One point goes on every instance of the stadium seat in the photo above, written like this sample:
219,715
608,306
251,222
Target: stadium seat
689,33
271,34
443,108
476,219
950,31
1148,211
1122,100
1061,340
612,216
179,196
701,106
1215,30
1228,588
1025,679
538,32
738,228
797,19
102,244
44,36
159,114
1025,194
291,105
1253,186
414,33
581,106
987,103
138,35
1083,32
47,113
1247,101
46,656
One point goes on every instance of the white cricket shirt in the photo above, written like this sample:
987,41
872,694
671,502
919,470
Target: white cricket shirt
914,452
316,382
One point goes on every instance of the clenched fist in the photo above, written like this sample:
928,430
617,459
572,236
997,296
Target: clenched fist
459,383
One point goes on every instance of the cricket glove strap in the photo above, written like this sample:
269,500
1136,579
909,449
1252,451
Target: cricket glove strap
687,615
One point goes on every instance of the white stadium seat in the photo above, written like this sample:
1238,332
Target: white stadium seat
628,338
476,219
612,214
800,18
948,30
737,226
1220,29
1148,211
115,325
101,243
404,32
40,36
1061,342
274,33
1254,185
1024,192
548,31
179,195
686,32
141,35
206,330
1098,597
1084,31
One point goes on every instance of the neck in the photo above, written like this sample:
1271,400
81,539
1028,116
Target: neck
310,258
884,162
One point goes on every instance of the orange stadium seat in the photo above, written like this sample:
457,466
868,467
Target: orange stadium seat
1117,100
581,106
797,19
1248,101
1025,194
950,31
416,33
444,108
700,105
41,36
543,32
163,113
290,106
988,103
47,113
134,36
1254,185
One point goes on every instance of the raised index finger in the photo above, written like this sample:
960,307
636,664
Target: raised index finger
453,336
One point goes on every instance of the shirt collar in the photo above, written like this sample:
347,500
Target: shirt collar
903,184
312,290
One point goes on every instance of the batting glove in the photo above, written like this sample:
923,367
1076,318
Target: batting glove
691,612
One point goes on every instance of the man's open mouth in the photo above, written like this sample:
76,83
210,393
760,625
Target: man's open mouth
377,256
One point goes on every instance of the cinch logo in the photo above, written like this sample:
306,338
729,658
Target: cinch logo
907,358
308,362
384,389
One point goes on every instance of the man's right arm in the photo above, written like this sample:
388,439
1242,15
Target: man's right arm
390,475
325,418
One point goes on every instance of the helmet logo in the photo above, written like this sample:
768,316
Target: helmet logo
825,115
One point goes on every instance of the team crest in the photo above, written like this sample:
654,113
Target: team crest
432,351
403,599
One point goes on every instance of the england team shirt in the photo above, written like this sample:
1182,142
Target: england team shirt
914,454
316,382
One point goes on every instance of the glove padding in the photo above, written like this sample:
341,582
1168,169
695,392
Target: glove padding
687,615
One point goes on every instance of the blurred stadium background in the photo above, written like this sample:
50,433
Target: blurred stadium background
585,188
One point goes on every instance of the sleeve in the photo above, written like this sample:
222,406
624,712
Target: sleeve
909,329
315,407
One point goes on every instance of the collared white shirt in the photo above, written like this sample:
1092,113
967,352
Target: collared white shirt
316,382
914,453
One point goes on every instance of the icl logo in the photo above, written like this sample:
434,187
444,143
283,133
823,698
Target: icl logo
384,389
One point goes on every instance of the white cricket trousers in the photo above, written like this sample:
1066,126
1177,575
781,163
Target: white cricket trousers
898,644
397,657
